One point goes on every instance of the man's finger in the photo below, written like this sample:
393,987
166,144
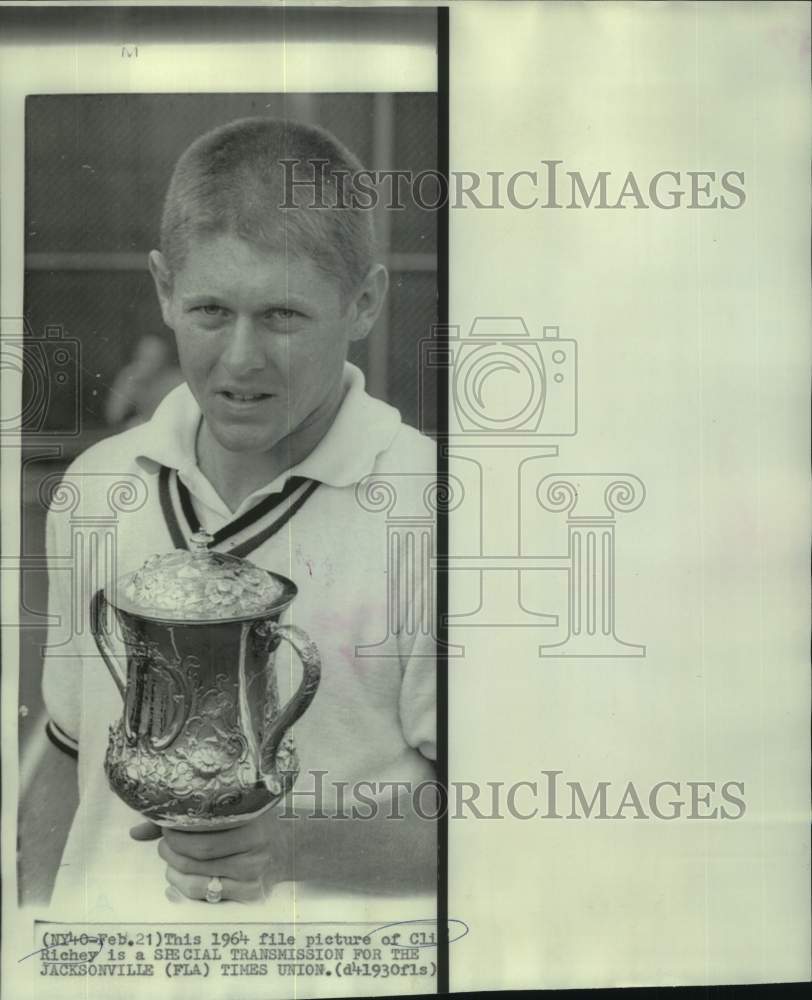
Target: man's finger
219,844
145,831
241,867
195,887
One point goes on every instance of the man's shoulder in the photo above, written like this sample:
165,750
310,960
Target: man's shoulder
404,479
104,479
137,449
114,454
409,451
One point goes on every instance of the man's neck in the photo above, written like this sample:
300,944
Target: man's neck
236,475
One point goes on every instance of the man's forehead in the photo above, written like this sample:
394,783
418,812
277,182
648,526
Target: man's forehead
228,256
229,265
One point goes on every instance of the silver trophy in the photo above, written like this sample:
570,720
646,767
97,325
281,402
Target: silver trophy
203,741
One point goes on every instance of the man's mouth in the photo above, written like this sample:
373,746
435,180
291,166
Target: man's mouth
244,397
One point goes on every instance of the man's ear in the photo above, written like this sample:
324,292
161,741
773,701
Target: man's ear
162,277
368,301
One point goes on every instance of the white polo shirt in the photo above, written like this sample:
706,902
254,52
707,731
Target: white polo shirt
373,717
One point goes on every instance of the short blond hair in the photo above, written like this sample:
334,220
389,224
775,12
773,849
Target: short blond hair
232,180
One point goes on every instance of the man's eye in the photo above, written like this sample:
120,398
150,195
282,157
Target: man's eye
210,310
284,314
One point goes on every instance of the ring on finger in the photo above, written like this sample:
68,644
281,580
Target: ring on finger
214,890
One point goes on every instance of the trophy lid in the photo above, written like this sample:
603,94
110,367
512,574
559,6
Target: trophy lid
200,585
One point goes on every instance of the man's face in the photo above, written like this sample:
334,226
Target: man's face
262,339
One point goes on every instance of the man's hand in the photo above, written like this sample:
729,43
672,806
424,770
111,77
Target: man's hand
249,860
393,851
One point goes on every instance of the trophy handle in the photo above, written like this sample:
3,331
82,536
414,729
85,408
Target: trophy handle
98,604
308,653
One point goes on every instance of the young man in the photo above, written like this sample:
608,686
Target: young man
264,447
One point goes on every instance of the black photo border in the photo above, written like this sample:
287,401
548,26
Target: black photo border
442,515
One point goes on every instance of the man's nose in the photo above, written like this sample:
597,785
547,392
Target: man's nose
244,350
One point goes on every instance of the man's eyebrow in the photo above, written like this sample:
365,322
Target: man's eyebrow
287,302
284,301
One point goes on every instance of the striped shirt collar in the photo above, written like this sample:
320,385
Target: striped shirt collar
362,429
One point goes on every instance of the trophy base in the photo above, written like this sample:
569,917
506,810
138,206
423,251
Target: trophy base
202,824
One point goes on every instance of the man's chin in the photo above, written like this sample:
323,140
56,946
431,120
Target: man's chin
240,441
